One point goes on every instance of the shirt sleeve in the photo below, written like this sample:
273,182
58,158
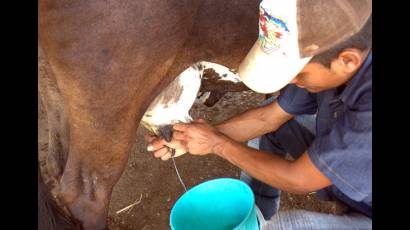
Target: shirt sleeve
297,101
344,155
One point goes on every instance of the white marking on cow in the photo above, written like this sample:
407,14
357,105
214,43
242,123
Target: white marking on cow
172,105
168,110
225,73
202,97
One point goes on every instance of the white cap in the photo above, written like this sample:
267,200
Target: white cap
291,32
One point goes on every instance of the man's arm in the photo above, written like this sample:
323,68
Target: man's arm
299,176
254,123
242,127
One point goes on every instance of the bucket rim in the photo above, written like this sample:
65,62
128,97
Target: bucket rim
237,181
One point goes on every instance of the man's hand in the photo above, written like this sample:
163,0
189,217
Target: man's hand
200,137
162,149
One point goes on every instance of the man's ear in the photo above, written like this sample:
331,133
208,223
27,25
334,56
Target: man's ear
348,62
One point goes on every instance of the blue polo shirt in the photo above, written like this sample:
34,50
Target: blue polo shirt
342,149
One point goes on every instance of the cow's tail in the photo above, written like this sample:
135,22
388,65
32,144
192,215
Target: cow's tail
50,215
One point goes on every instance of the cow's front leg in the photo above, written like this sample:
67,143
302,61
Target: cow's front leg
100,143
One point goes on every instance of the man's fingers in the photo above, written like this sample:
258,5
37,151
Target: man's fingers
166,156
161,152
180,127
156,144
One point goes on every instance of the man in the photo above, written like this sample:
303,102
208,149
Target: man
320,49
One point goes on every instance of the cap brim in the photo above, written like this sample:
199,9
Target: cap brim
268,73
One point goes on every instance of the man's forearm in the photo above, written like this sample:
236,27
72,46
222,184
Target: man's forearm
298,177
254,123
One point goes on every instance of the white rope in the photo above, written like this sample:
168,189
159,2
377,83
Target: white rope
176,170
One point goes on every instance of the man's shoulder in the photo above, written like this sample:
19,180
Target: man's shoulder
296,101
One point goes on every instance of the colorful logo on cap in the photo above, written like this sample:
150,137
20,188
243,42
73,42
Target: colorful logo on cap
271,31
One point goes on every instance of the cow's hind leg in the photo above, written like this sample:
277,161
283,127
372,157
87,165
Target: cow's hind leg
100,143
58,144
50,215
89,144
56,118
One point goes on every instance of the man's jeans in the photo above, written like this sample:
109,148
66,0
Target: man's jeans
293,138
303,220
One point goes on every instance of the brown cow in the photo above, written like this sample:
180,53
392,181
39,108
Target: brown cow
107,61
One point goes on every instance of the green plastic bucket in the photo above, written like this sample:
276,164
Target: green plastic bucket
220,204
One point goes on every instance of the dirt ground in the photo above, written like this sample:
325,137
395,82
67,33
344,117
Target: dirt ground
156,183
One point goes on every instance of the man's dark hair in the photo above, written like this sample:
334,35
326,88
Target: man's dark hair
361,40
